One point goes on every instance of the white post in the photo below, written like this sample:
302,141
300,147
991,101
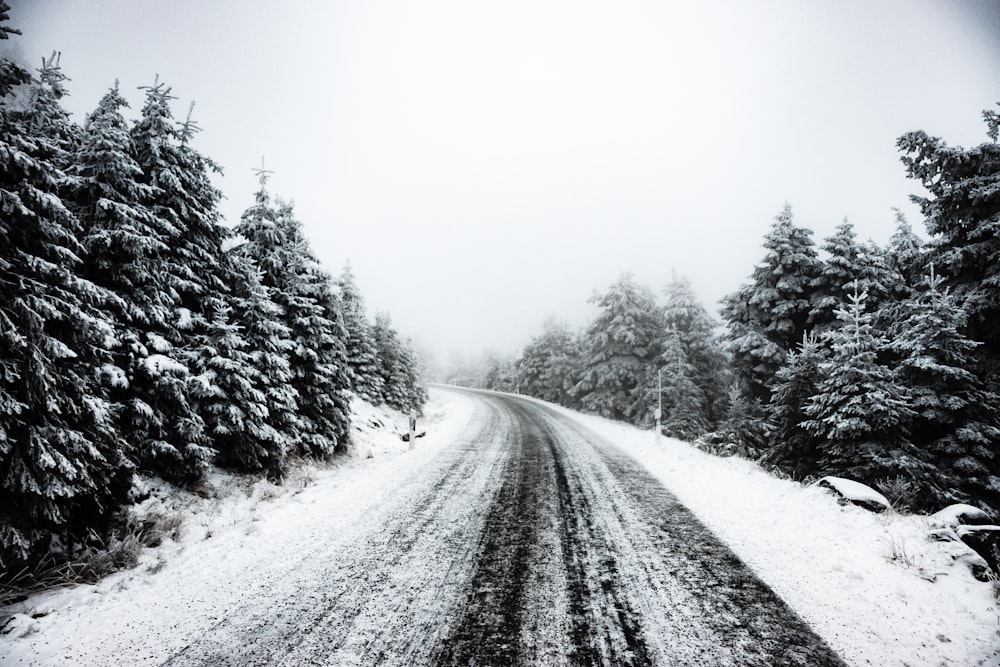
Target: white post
659,403
413,427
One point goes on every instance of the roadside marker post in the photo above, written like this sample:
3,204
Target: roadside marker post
659,404
413,427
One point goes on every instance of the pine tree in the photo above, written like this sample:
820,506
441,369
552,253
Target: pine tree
906,255
61,466
791,447
547,368
303,293
860,411
258,430
620,346
500,372
686,318
838,271
768,316
683,400
956,417
393,370
962,215
328,383
416,388
362,360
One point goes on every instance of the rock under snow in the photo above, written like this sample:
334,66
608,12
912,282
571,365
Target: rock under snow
985,540
856,493
961,514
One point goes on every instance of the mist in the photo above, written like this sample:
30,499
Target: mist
484,166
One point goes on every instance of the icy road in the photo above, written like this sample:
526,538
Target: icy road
526,539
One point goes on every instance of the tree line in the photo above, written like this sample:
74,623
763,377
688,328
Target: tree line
876,363
140,334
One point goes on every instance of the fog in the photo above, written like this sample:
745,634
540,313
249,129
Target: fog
486,165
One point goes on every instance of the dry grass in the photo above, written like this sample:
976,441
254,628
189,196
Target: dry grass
120,552
897,553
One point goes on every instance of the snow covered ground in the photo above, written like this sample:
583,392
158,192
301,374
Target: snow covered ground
220,538
873,586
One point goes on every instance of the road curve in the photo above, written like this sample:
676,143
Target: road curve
528,541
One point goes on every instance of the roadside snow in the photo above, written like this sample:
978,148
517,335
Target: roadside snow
873,585
135,617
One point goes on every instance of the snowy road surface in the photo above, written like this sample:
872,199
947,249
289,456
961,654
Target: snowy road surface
526,539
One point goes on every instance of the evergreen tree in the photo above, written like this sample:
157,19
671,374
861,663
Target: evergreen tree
258,430
501,373
683,400
840,268
791,447
686,318
396,377
906,255
768,316
956,417
620,347
860,411
962,215
303,293
61,467
547,368
366,381
135,248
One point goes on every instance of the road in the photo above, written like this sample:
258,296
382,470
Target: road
527,541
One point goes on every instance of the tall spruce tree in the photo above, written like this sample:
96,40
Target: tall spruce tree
962,215
362,358
620,347
790,446
302,292
683,400
685,317
402,383
62,472
768,316
859,414
840,268
907,256
548,365
956,417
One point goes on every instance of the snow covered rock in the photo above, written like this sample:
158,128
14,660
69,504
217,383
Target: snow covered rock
977,565
943,535
961,514
985,541
855,493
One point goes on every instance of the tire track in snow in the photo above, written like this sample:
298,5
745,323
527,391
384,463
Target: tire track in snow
384,596
642,581
528,541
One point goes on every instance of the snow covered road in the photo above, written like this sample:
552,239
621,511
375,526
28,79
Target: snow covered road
523,539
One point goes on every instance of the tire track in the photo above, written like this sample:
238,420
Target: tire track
380,600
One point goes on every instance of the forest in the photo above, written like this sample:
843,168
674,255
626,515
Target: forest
879,364
139,335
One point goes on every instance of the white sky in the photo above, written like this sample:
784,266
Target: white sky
484,165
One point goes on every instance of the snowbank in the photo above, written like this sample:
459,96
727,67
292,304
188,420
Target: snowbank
225,529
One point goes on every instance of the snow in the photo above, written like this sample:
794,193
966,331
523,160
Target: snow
135,617
158,364
952,515
874,586
856,492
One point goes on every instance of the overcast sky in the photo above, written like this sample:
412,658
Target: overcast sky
486,165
